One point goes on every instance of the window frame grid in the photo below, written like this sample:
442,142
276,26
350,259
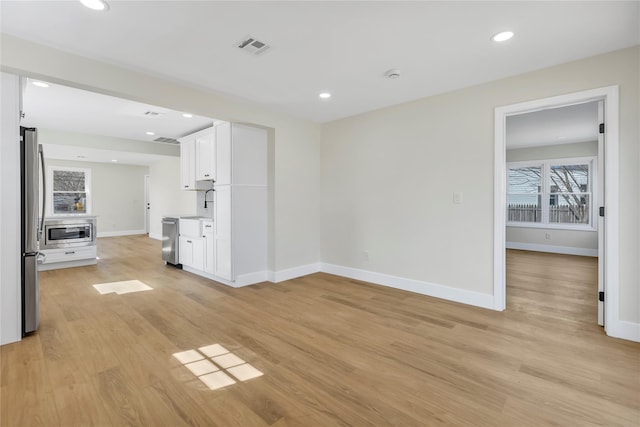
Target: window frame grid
51,192
546,165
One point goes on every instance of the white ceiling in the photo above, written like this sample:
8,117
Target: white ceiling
341,47
564,125
68,109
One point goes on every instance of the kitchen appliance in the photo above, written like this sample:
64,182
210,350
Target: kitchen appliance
31,159
68,233
170,233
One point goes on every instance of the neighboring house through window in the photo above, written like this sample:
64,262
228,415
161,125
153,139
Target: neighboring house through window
554,193
68,190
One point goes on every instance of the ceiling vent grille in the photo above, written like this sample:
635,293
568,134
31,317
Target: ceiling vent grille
166,140
151,114
253,46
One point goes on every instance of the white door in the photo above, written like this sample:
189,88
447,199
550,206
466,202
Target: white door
147,205
601,237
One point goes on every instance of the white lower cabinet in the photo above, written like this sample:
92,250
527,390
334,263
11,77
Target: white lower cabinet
209,245
222,225
68,257
191,252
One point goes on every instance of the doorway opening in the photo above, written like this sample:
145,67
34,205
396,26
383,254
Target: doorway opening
583,211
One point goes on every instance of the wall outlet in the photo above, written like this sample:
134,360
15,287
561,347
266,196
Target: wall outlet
547,236
365,255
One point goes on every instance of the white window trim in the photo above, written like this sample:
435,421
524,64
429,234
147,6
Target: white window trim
87,184
546,166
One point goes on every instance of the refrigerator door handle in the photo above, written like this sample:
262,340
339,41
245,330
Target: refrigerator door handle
44,192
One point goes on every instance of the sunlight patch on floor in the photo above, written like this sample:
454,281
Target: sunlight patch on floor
212,364
122,287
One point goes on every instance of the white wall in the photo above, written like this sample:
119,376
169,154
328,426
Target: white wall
165,195
10,297
561,241
389,176
117,195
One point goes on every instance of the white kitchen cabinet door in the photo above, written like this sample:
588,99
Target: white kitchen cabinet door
185,251
198,253
209,246
208,234
187,164
223,153
192,252
205,157
222,226
249,155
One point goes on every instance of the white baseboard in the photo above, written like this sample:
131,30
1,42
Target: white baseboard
120,233
567,250
241,280
155,236
292,273
250,279
430,289
625,330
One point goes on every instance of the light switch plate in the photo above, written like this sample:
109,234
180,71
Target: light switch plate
457,198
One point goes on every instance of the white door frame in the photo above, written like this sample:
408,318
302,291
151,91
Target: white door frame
611,263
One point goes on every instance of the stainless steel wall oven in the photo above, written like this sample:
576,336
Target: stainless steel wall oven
69,232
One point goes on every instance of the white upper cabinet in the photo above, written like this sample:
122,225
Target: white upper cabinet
187,159
248,155
197,158
206,156
241,154
228,153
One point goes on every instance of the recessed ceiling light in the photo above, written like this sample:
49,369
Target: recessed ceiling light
41,84
100,5
325,95
114,160
502,36
150,133
187,115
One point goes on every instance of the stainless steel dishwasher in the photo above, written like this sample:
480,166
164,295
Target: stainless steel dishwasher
170,243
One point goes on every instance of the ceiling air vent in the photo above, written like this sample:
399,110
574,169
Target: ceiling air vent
151,114
166,140
250,45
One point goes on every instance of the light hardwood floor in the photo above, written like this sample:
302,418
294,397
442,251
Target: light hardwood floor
334,351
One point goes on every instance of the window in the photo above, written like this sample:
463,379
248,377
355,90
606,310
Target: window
556,193
69,190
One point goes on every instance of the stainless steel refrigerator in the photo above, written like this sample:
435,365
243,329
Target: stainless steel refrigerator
32,214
